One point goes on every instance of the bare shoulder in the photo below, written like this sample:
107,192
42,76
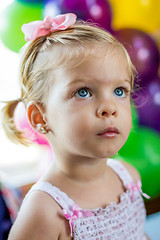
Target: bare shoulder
39,218
132,170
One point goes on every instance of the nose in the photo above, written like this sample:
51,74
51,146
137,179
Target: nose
107,109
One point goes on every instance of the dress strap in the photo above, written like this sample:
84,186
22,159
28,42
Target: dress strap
60,197
121,171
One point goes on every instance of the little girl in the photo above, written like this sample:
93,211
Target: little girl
76,82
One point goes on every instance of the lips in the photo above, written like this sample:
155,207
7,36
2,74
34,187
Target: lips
109,132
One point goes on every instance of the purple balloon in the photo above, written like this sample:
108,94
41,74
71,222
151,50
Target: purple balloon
78,7
98,11
73,5
143,51
148,104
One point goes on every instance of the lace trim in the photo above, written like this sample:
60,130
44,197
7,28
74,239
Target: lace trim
124,220
112,205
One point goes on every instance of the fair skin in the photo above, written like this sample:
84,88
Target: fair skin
82,104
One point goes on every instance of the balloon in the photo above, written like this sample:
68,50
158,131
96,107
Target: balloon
142,150
98,11
135,120
12,19
143,51
156,36
73,5
22,124
139,14
51,8
148,105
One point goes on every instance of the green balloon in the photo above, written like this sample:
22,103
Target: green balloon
135,119
12,19
142,150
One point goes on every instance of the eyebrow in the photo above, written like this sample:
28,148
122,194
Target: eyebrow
94,80
76,81
127,81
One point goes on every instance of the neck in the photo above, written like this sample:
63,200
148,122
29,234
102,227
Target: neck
80,169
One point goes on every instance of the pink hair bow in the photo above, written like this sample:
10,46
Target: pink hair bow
36,29
77,213
136,187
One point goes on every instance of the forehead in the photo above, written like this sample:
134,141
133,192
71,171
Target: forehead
72,55
83,58
96,67
102,60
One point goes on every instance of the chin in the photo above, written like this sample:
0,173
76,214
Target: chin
111,153
107,154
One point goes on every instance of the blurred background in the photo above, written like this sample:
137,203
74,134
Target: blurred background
135,23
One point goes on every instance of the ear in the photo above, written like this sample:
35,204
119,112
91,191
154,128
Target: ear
36,116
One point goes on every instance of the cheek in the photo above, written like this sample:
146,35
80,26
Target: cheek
70,124
80,124
125,115
127,120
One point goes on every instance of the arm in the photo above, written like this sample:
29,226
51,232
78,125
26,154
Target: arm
37,219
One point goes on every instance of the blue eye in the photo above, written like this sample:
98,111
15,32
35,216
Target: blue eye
119,92
83,93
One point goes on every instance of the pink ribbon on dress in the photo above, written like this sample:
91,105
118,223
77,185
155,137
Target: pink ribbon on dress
77,213
37,29
136,187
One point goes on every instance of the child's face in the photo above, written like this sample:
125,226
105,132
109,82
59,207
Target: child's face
88,108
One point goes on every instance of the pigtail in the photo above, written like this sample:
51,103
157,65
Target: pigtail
28,55
8,123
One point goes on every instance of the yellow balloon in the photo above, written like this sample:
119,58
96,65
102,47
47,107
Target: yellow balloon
139,14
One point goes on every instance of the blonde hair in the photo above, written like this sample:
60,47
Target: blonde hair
37,62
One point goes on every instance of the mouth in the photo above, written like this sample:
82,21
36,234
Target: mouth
109,132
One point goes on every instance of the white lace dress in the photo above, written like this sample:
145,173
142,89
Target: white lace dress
124,220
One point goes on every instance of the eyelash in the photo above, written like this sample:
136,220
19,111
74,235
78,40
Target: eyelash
85,87
126,90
